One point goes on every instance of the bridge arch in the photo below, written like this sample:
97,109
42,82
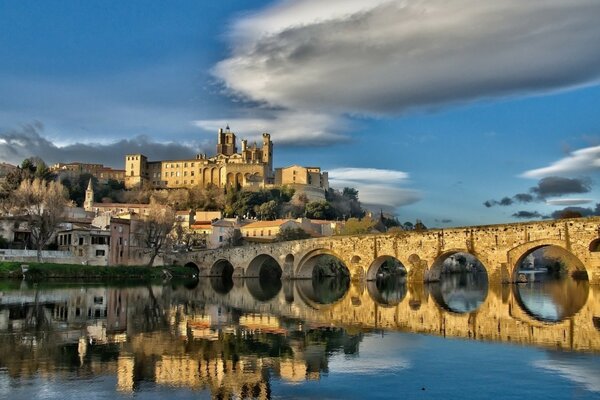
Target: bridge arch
222,268
517,254
307,263
595,246
192,265
379,262
437,266
261,264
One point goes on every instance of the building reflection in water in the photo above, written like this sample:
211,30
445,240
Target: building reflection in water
234,342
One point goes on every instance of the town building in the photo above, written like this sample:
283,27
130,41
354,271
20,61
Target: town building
98,171
251,167
266,231
308,181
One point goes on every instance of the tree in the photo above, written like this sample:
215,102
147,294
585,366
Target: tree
291,233
154,231
43,205
267,211
319,210
355,226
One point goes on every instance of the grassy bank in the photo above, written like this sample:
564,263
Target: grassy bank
42,271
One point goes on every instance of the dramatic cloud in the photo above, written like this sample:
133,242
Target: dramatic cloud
584,212
583,160
376,186
527,214
552,186
17,145
386,56
558,186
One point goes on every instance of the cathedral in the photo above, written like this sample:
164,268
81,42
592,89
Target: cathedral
251,167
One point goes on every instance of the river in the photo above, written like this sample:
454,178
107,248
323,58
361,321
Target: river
459,338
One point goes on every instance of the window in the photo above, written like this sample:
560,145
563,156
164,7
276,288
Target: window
184,173
269,233
220,239
98,299
192,182
81,241
192,164
184,165
192,173
262,233
99,253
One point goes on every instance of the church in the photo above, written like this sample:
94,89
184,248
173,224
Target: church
252,167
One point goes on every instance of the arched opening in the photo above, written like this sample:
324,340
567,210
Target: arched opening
221,276
552,284
460,282
595,246
355,260
263,277
327,277
230,179
385,267
386,280
191,265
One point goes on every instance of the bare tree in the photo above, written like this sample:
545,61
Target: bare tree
43,205
154,230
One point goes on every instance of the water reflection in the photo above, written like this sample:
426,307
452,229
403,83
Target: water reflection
388,290
460,292
553,299
325,290
239,341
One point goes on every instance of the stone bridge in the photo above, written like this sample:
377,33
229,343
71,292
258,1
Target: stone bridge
499,247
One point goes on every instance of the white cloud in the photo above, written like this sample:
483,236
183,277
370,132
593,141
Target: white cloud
387,56
288,127
568,202
582,160
375,186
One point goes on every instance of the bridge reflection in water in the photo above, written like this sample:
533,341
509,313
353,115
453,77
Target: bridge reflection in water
231,337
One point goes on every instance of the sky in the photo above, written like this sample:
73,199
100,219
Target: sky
455,112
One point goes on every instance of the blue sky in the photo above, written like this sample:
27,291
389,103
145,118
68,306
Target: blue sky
430,108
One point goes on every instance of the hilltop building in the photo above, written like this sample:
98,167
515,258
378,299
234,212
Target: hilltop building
251,167
309,181
98,171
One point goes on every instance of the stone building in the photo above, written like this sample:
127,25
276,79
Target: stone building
308,181
251,167
98,171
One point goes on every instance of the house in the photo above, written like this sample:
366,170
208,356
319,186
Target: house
266,231
226,231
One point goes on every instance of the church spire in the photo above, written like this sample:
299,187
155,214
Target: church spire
88,203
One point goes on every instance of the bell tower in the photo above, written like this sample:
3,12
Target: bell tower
88,203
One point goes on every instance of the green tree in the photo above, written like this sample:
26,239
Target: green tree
320,210
290,233
355,226
267,211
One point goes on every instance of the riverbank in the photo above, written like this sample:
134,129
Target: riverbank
42,271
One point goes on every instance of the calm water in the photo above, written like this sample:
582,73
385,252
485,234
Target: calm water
322,339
